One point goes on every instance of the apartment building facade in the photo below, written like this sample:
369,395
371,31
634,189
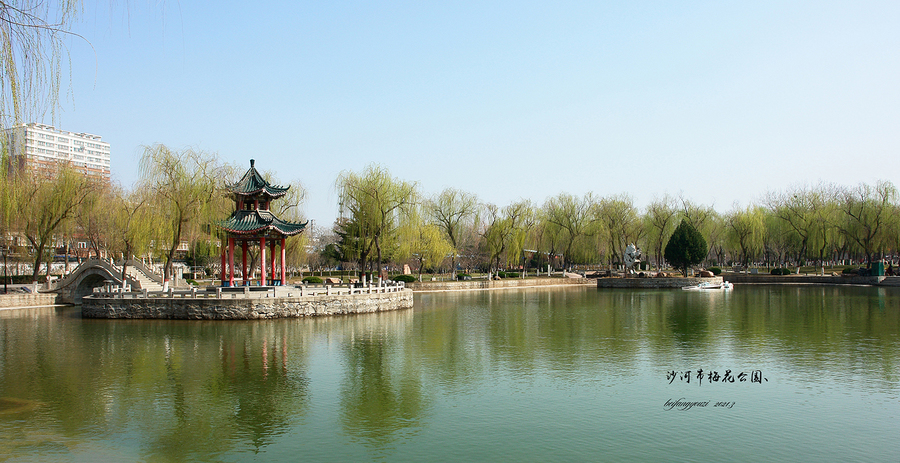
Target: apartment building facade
43,147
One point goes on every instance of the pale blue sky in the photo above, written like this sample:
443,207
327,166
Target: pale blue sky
719,101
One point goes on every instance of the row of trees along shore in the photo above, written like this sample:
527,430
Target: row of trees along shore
386,222
804,225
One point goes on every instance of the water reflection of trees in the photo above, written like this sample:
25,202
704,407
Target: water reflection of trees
688,319
175,388
815,331
197,390
563,332
830,333
382,397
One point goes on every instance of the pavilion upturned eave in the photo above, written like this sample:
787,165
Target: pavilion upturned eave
250,223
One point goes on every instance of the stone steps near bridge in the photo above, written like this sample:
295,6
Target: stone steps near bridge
143,281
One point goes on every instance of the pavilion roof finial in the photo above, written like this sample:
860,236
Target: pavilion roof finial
252,184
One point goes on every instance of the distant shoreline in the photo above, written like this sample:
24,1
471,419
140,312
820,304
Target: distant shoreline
649,282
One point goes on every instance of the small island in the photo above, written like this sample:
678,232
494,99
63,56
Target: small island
251,224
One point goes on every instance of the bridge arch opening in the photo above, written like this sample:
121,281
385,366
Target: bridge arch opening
87,284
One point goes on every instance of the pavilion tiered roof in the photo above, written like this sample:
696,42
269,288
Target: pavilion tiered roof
253,184
257,222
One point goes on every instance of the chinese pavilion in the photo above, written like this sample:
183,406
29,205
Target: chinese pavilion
253,223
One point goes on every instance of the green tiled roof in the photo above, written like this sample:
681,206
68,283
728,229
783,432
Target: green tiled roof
253,184
245,222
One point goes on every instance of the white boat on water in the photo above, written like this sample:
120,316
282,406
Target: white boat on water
707,286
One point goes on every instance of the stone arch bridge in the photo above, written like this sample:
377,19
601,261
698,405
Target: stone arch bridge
95,273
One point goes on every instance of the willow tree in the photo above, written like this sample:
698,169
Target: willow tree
892,236
454,212
32,53
431,247
93,220
45,203
695,214
375,204
746,228
621,223
184,185
868,213
779,240
132,222
425,242
826,237
805,210
548,239
659,223
7,200
523,216
505,230
573,217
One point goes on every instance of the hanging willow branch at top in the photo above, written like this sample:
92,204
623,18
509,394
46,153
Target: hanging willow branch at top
32,55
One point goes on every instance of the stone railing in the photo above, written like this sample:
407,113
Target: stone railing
247,292
327,290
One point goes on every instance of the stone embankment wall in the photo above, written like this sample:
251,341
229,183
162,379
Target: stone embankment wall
812,280
13,300
653,282
245,309
470,285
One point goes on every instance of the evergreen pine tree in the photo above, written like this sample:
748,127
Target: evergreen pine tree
686,247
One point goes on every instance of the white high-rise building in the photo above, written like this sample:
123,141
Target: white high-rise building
43,147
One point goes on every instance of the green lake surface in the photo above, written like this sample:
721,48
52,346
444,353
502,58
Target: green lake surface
800,373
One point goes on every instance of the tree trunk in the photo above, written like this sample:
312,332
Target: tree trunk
124,272
363,260
36,270
378,255
167,270
453,257
125,264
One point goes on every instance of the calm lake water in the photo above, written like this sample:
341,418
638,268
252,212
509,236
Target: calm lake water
566,374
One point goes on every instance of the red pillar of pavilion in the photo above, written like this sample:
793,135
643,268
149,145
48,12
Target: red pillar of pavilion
230,261
272,275
262,261
283,274
244,271
224,267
